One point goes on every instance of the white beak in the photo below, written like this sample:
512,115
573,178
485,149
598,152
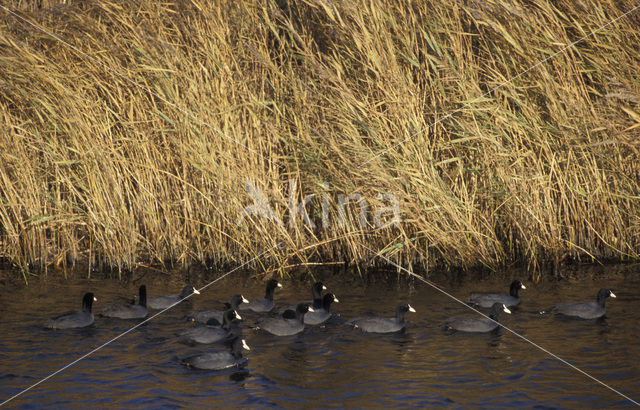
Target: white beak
335,299
324,287
505,309
279,285
411,309
611,294
522,286
95,299
311,309
245,346
244,300
238,316
196,291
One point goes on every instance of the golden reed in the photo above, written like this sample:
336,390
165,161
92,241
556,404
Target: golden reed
94,169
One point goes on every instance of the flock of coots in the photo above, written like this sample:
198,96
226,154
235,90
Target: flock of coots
221,326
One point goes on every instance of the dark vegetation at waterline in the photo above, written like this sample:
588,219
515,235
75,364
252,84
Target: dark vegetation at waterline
96,170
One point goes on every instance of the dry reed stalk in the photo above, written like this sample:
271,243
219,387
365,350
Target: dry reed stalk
543,169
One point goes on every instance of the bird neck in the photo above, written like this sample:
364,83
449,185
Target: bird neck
601,299
269,293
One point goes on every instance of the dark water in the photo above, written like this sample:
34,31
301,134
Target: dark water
330,366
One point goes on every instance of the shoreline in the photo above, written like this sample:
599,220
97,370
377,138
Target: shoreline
382,273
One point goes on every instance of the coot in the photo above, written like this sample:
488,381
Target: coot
487,300
163,302
69,320
220,360
321,314
205,334
137,311
315,302
377,324
282,326
265,304
478,324
205,316
585,310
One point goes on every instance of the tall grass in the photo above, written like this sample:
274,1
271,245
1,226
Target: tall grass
95,169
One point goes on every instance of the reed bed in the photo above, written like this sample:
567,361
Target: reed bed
290,98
